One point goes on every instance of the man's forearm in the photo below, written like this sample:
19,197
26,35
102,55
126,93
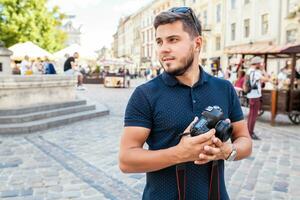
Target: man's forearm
243,146
137,160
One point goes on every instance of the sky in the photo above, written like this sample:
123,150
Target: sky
99,18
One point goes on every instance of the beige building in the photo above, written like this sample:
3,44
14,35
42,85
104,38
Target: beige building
137,42
290,21
226,24
149,56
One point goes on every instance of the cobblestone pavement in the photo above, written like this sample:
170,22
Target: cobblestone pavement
80,161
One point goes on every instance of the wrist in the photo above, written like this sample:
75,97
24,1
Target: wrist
233,154
228,151
176,155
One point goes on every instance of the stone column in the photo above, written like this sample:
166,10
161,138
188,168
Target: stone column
5,68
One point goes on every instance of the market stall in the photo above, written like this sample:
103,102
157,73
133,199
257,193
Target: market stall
116,74
283,101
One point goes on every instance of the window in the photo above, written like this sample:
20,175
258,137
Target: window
218,13
233,31
218,43
246,28
143,52
148,36
204,17
264,24
151,34
291,36
233,4
199,17
246,1
1,68
204,47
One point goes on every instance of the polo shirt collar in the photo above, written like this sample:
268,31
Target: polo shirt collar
172,81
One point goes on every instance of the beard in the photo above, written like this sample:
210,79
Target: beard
184,64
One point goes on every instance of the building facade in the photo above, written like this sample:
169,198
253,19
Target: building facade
73,33
226,24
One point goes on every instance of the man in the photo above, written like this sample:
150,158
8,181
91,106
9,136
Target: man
163,108
71,68
257,75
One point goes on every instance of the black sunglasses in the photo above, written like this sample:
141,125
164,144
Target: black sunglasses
188,10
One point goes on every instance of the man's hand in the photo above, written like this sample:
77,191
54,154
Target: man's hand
189,148
217,151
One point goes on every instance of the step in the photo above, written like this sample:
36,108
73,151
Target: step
10,119
29,127
39,108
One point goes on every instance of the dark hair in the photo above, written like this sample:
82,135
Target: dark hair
188,23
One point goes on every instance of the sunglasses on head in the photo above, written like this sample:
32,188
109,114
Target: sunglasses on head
186,10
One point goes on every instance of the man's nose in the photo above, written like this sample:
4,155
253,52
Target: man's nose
164,48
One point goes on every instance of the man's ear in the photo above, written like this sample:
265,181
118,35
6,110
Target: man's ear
198,43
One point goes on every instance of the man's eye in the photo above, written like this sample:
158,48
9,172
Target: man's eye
173,40
159,42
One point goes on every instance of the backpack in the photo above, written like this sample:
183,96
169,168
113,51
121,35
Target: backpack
247,86
50,69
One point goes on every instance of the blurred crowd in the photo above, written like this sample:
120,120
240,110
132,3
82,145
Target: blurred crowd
30,66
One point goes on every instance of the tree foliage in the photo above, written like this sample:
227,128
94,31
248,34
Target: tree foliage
31,20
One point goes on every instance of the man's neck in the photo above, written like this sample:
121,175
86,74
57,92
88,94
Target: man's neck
191,76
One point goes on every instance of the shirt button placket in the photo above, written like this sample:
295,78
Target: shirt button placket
193,100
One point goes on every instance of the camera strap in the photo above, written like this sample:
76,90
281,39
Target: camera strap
214,185
181,180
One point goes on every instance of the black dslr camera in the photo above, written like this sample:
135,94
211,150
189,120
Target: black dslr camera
212,117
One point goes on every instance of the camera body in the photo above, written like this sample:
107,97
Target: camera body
212,117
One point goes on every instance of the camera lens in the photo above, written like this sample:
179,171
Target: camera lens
223,130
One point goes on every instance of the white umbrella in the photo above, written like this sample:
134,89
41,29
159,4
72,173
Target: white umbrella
83,52
28,48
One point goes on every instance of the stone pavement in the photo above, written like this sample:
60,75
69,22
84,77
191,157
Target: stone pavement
80,161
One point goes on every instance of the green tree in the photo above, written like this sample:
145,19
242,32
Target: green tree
31,20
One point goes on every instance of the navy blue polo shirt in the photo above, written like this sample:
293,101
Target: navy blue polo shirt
167,107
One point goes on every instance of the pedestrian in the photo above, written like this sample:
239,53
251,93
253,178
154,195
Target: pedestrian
71,68
168,105
49,66
256,76
240,80
26,66
37,66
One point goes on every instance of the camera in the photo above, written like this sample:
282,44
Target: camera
212,117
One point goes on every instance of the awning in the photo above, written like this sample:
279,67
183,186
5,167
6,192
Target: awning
20,50
83,52
263,48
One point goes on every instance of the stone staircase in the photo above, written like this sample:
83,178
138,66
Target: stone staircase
42,117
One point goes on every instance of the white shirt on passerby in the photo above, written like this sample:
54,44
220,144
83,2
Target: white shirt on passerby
25,65
254,76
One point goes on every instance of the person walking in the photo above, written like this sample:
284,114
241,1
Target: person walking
256,75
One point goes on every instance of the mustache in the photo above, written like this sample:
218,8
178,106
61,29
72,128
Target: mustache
163,58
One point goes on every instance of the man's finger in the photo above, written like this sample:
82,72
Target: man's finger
211,150
204,137
217,142
201,162
228,120
203,156
188,129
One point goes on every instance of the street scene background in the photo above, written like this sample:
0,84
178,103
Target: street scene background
80,161
68,68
